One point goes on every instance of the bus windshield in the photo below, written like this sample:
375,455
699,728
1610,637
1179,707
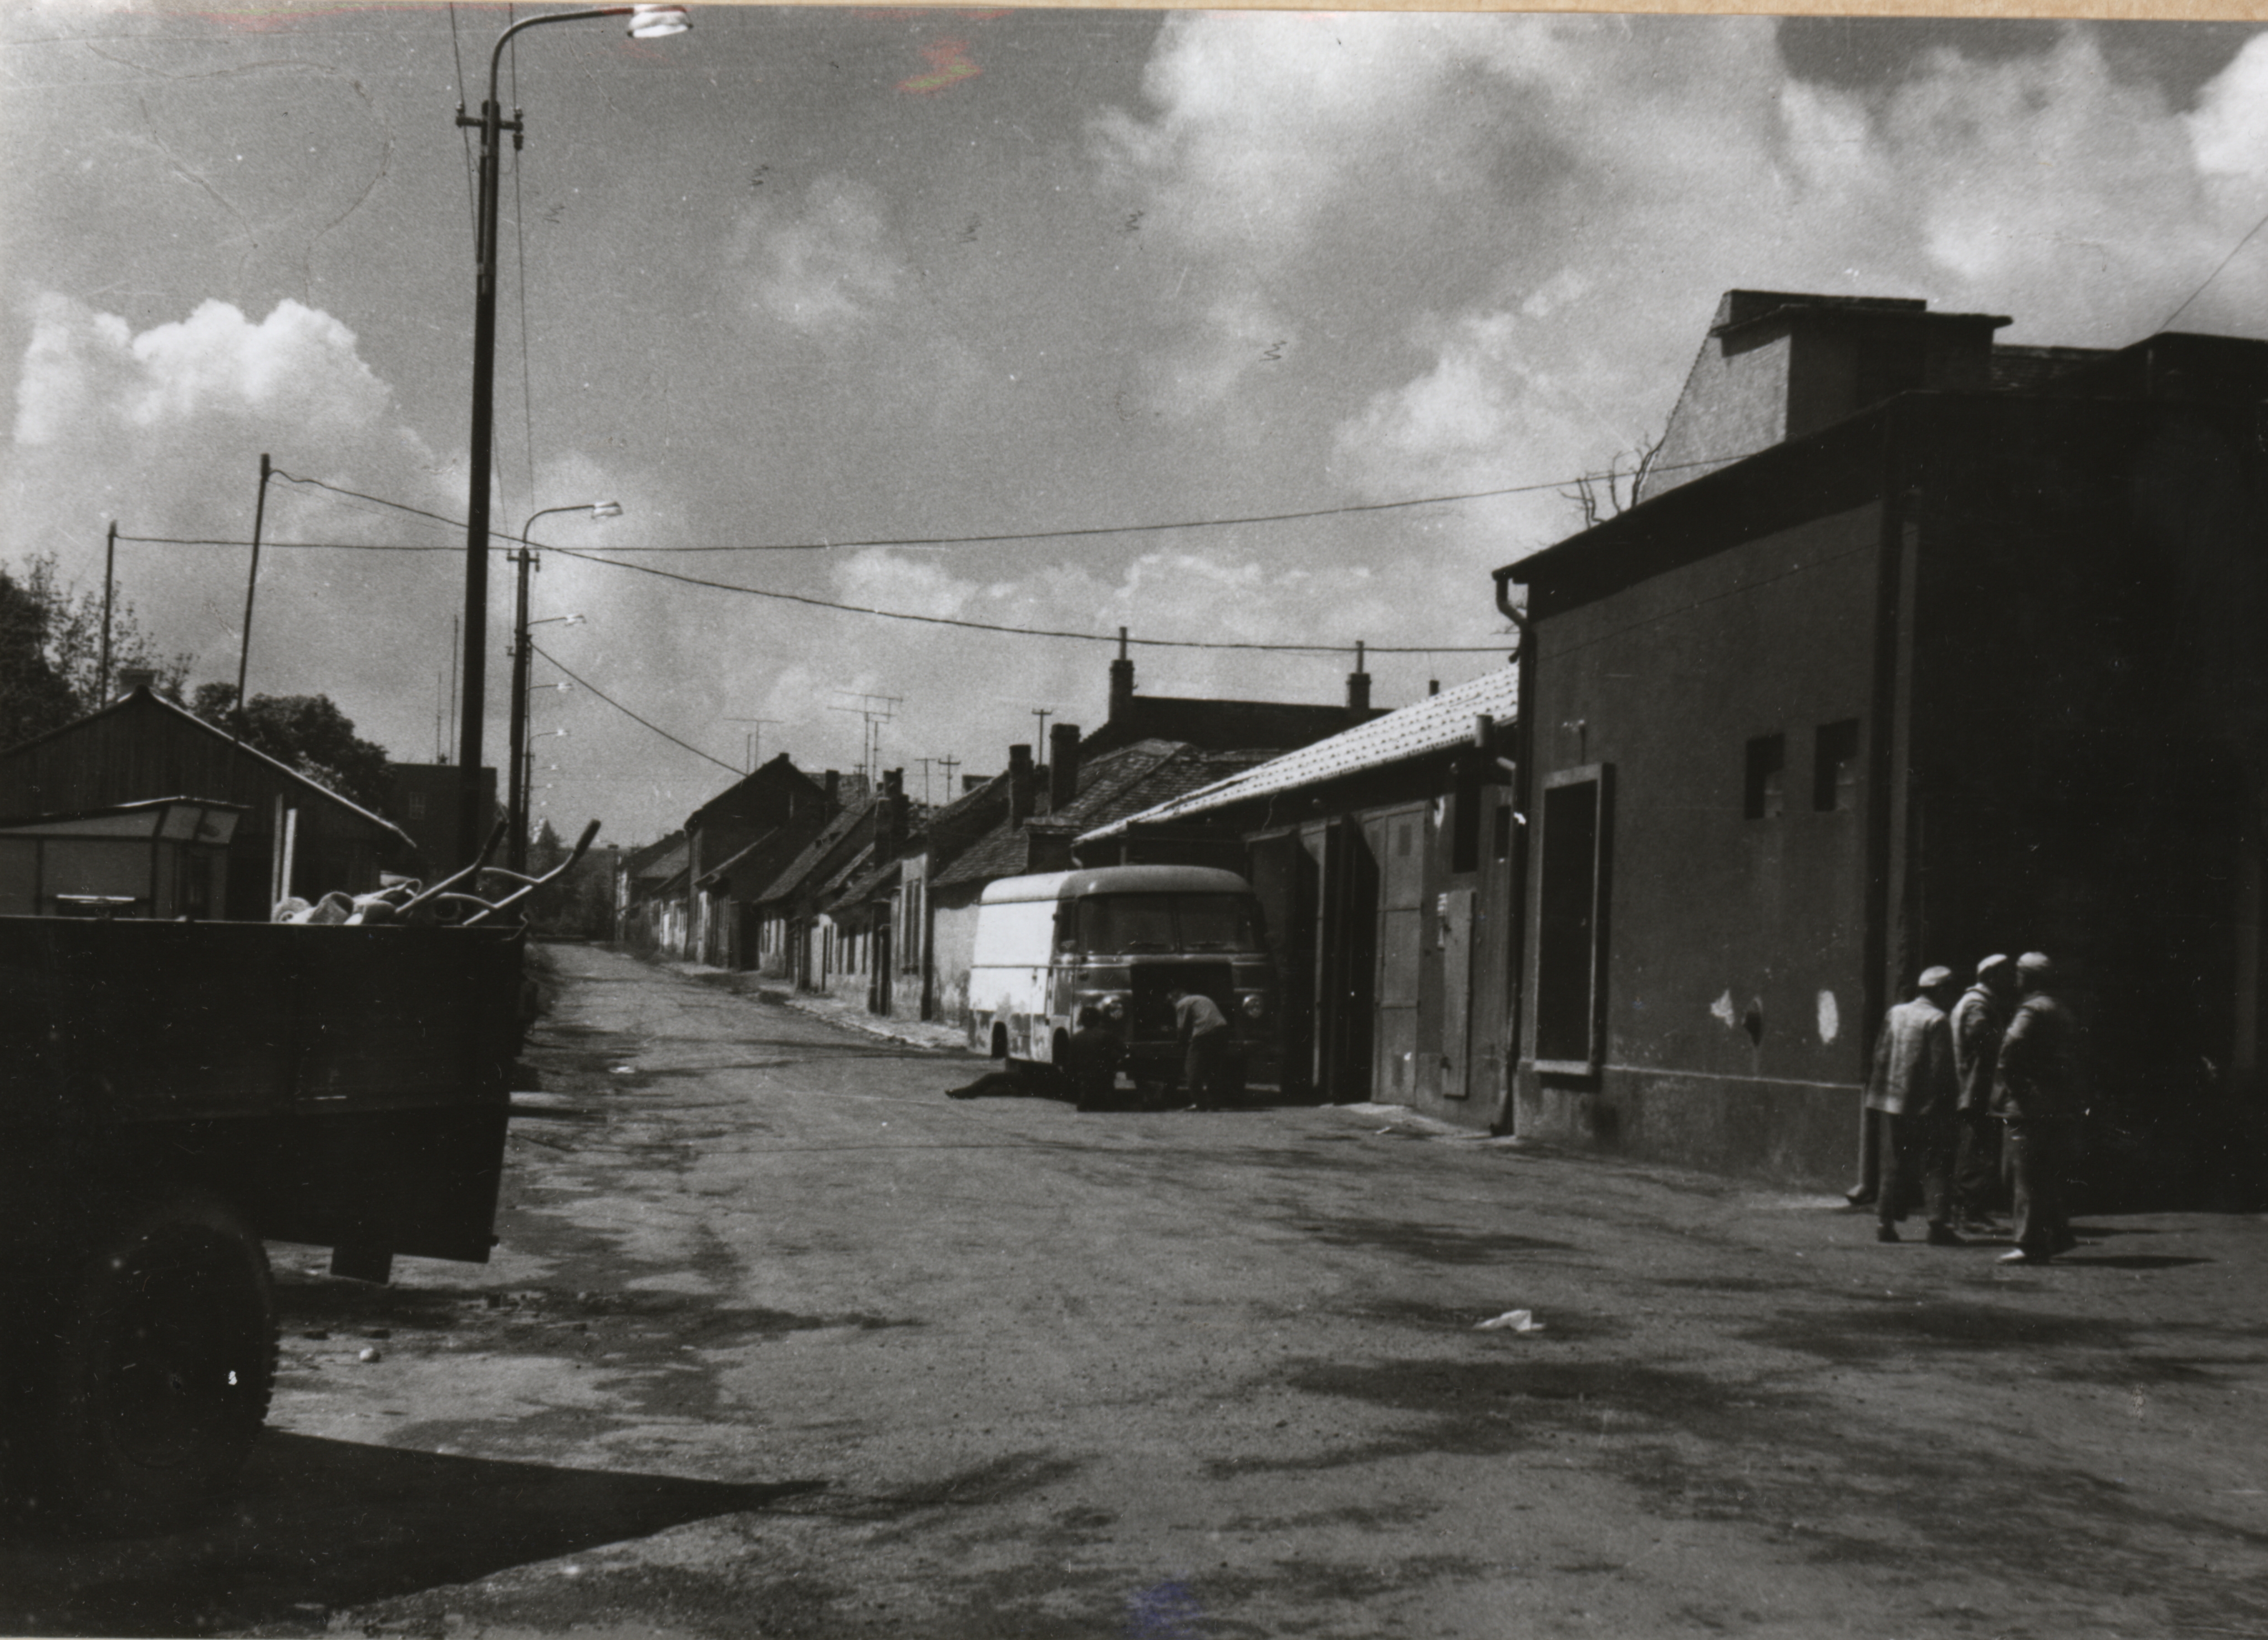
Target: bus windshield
1134,924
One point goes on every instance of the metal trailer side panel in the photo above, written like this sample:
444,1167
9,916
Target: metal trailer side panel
341,1085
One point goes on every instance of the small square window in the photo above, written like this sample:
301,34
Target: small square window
1835,767
1765,788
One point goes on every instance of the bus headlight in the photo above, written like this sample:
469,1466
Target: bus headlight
1254,1005
1113,1007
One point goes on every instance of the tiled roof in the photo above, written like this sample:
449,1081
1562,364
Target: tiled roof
655,859
821,850
1111,785
1436,723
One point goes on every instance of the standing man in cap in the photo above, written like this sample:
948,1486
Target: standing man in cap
1980,1021
1204,1031
1913,1094
2037,1094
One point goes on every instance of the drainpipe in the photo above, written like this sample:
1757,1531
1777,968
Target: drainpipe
1522,794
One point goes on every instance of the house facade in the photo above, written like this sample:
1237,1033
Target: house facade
1386,861
295,837
1960,657
777,804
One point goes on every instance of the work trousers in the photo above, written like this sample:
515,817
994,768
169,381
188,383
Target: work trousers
1976,1165
1917,1165
2039,1152
1202,1067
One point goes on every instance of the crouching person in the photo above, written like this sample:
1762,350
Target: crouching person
1091,1063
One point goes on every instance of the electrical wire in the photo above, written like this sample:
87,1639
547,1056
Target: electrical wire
1035,536
2215,275
1045,632
585,683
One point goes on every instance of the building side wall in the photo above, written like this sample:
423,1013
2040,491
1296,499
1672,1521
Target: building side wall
952,946
1735,969
1731,407
2091,764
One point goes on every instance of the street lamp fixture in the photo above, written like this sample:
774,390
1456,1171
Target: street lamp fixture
646,22
516,802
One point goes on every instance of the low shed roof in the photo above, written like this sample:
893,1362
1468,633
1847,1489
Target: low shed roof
1439,722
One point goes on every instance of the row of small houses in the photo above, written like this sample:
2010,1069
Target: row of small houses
1914,647
837,887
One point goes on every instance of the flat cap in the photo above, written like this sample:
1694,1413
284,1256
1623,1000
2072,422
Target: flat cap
1993,964
2035,962
1931,978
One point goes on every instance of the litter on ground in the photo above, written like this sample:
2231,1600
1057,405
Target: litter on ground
1514,1320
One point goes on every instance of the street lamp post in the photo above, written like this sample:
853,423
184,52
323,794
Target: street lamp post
646,22
516,804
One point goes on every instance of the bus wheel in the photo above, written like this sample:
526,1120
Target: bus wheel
161,1366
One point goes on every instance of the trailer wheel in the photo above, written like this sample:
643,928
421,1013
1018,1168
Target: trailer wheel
163,1360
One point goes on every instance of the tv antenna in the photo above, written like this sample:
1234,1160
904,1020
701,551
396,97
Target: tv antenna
875,710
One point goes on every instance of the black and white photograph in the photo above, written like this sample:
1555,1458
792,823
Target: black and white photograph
1120,824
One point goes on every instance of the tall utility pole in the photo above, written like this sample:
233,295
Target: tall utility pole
109,570
646,22
949,764
1043,713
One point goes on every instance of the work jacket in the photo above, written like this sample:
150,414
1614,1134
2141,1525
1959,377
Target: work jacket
2039,1062
1913,1062
1980,1019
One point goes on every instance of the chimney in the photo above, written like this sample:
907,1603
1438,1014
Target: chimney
831,783
1063,766
1122,682
133,678
1780,365
1047,848
1020,784
1357,704
890,823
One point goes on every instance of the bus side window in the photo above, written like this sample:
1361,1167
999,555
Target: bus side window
1066,925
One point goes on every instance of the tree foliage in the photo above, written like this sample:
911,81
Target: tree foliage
307,733
51,651
581,904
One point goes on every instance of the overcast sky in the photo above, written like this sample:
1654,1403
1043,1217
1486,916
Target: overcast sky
819,276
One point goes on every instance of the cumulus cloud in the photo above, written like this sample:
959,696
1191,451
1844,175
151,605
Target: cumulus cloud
84,370
825,269
163,431
1631,168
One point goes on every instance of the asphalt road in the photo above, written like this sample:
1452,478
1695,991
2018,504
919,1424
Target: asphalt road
781,1340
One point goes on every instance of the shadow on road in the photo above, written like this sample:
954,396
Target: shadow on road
324,1525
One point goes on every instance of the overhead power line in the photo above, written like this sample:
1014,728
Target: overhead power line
1045,632
1002,537
582,682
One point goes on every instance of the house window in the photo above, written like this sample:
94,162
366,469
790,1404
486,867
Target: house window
1835,767
1765,788
412,803
1571,932
1501,842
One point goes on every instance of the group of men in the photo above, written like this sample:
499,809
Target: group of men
1961,1086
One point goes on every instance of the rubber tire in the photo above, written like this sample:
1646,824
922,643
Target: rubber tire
162,1363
